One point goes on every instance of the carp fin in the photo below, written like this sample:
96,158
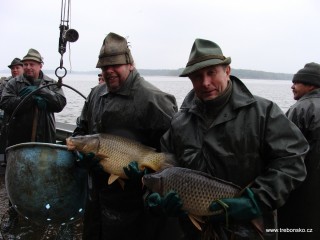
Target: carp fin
112,178
258,225
167,162
195,220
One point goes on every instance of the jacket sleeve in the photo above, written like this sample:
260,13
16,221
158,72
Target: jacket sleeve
82,121
10,99
284,150
55,98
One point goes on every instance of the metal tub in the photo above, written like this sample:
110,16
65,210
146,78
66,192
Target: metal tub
43,183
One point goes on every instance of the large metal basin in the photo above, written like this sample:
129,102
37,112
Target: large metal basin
43,183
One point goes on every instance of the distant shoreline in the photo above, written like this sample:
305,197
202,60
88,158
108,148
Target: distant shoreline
240,73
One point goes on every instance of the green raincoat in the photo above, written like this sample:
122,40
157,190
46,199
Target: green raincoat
20,127
251,142
139,111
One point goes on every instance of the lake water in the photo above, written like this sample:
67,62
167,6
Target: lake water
278,91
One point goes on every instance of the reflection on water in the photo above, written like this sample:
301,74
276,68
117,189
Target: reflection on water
278,91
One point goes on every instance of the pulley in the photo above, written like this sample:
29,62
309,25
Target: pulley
66,35
71,35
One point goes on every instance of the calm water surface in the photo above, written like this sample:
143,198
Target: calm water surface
278,91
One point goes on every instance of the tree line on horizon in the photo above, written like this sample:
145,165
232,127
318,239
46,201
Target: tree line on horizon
240,73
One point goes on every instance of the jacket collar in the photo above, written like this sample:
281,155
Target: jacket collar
313,93
240,97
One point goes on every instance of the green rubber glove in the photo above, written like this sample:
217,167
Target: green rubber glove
241,208
41,102
169,205
27,90
133,172
87,161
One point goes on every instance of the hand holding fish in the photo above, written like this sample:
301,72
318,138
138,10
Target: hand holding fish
241,208
87,161
169,205
133,172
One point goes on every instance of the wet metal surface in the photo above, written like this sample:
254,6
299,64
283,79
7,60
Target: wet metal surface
44,184
24,229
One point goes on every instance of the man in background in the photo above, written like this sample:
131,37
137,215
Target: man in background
100,79
16,68
34,121
302,209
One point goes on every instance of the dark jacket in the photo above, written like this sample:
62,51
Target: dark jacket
20,127
250,142
139,111
3,118
303,203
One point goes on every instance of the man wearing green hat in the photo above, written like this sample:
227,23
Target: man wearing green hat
305,113
34,121
129,106
225,131
38,109
16,68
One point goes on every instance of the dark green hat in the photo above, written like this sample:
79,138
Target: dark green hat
310,75
33,55
114,51
204,53
16,61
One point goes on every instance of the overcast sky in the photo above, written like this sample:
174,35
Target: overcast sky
267,35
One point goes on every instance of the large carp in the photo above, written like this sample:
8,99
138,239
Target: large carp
117,152
196,189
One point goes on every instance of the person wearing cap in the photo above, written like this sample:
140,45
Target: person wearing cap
100,79
16,68
225,131
305,113
36,116
129,106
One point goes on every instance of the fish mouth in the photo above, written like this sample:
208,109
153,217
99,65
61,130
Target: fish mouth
70,145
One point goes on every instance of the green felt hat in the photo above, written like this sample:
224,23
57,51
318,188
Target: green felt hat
15,62
33,55
114,51
204,53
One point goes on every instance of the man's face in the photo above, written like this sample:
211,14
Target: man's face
32,68
100,79
16,70
210,82
300,89
116,75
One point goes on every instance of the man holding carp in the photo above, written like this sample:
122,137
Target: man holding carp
226,132
242,143
127,106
